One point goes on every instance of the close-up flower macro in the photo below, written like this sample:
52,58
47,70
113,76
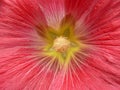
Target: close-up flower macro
59,44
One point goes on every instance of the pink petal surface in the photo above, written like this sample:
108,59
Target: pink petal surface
22,65
54,11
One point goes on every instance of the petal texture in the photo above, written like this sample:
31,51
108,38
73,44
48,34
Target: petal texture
96,24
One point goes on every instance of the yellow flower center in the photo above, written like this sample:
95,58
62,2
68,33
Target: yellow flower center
62,44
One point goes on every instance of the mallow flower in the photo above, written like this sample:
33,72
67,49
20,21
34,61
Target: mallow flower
59,44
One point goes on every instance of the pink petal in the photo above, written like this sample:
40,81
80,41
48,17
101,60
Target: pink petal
22,65
54,11
79,7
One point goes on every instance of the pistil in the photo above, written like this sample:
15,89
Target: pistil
61,44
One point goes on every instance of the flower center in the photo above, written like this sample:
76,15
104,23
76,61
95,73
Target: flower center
61,44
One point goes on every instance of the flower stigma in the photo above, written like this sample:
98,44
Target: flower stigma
61,44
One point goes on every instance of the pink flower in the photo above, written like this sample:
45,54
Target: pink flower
60,45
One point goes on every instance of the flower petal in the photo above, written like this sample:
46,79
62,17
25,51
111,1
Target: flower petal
78,7
53,11
22,63
21,14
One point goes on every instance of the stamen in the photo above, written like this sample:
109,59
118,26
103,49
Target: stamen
61,44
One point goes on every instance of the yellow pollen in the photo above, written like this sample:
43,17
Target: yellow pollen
61,44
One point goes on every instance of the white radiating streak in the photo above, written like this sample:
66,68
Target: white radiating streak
55,74
54,12
80,60
76,60
91,68
71,78
75,73
67,77
21,65
34,66
84,72
101,34
82,19
36,77
58,80
48,66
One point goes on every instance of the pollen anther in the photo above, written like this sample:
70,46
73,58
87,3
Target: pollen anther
61,44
